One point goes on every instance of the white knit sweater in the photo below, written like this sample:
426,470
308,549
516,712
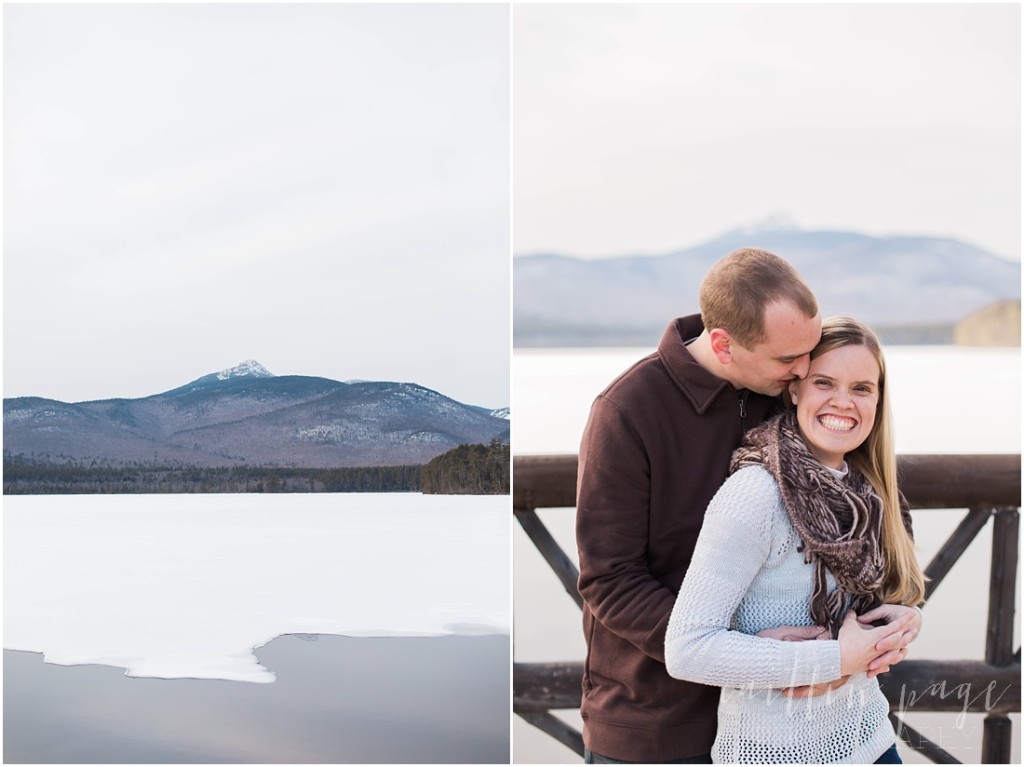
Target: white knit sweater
746,576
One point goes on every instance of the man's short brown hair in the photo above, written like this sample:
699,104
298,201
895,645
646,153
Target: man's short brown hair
739,287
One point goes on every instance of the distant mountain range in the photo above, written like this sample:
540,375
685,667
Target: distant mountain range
910,289
246,416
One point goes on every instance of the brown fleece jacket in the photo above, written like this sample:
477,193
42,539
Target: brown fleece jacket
655,450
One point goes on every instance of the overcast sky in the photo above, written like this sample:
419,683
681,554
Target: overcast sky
645,129
323,188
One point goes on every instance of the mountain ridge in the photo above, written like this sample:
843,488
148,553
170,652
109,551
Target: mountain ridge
919,284
252,418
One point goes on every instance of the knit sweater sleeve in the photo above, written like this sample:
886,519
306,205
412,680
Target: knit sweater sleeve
733,546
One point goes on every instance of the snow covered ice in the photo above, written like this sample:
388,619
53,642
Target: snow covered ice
189,585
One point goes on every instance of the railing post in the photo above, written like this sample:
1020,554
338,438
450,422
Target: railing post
955,547
548,547
997,737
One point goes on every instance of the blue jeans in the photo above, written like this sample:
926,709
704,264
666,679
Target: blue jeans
891,756
589,757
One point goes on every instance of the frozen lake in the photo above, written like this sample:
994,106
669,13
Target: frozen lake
945,399
406,595
336,700
177,586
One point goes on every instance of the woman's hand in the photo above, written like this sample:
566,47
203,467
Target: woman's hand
898,618
860,645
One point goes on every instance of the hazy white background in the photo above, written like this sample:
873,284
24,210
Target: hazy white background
324,188
648,128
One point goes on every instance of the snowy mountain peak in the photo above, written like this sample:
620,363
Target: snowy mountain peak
502,412
249,368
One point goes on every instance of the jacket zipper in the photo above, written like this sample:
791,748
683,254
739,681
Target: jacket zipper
743,404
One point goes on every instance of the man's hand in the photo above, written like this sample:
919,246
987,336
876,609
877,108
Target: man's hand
804,634
814,690
795,633
906,625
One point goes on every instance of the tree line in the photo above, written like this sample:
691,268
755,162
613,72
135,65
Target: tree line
41,475
469,469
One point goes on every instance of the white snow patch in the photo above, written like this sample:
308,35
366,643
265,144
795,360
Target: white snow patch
323,433
248,368
187,586
426,437
502,412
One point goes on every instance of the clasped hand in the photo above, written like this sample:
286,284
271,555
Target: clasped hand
862,647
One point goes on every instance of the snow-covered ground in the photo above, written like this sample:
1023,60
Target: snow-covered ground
188,585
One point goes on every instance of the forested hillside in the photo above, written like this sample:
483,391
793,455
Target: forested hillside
469,469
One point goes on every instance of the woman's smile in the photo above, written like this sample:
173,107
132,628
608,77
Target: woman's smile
836,422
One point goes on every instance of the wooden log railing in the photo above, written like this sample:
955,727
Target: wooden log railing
988,486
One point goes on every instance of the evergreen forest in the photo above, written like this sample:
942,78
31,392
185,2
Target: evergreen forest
469,469
466,469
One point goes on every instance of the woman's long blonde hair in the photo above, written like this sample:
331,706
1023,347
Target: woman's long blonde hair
875,458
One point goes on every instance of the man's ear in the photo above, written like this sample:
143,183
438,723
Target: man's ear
721,345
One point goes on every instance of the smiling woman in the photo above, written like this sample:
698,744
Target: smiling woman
807,531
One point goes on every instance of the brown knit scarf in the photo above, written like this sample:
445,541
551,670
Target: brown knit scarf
839,520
